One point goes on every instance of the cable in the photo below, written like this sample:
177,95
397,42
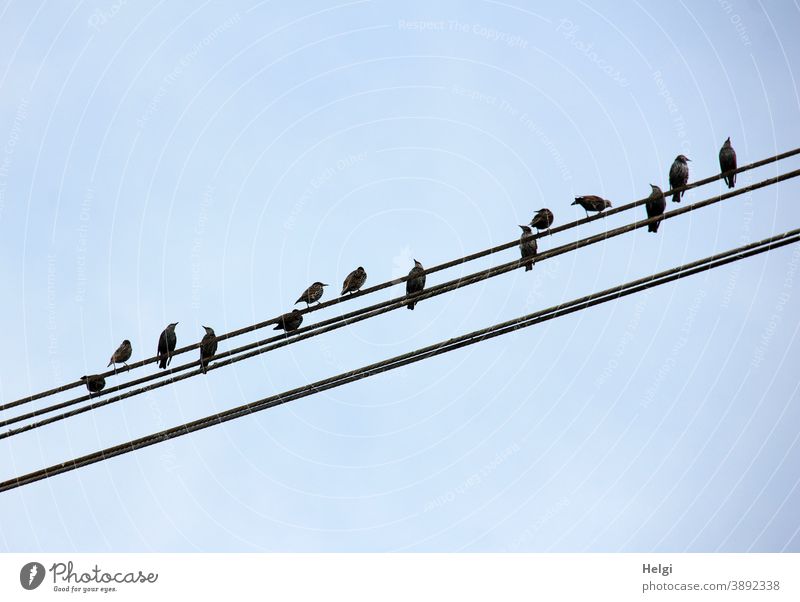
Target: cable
237,354
582,303
430,270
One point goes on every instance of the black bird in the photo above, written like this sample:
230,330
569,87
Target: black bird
354,281
655,206
415,282
678,176
290,321
527,246
727,162
591,202
95,383
542,220
166,345
121,355
208,347
312,293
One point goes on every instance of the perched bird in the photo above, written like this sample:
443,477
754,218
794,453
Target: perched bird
591,202
542,220
354,281
727,162
290,321
527,246
655,206
208,347
678,176
415,282
121,355
166,345
312,293
95,383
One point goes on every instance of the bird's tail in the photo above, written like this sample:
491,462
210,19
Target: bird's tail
653,227
411,305
528,267
676,198
731,180
203,366
162,362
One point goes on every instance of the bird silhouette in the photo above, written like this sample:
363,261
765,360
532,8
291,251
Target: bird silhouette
727,162
591,202
655,206
354,281
121,355
208,347
166,345
415,282
542,220
527,246
679,176
312,294
290,321
94,383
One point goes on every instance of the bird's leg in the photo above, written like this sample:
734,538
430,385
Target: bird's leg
127,367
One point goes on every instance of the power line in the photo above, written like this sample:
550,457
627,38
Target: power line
383,285
579,304
270,344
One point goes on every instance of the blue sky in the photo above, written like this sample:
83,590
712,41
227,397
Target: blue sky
205,163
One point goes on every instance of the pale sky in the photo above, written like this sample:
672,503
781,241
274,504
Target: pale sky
204,163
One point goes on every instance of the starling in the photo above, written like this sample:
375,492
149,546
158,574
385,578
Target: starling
727,162
591,202
208,347
312,293
290,321
354,281
415,282
678,176
121,355
527,246
166,345
655,206
542,220
95,383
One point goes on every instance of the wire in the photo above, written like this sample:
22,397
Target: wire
383,285
579,304
238,354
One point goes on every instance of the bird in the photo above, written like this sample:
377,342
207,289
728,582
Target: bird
591,202
527,246
354,281
415,282
290,321
312,293
94,383
542,220
655,206
678,176
208,347
727,162
121,355
166,345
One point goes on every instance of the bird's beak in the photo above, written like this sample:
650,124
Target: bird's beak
688,159
523,227
325,284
